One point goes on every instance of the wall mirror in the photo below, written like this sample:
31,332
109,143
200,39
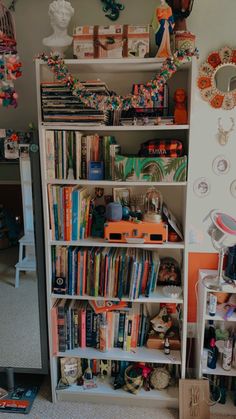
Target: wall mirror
22,277
217,79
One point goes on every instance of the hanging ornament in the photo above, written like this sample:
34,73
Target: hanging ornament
112,9
10,65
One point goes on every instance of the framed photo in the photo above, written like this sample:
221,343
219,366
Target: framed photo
11,149
122,195
233,188
221,165
201,187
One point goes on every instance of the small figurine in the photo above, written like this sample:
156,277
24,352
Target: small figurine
112,9
180,112
163,25
60,12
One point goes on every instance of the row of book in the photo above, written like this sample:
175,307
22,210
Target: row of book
78,325
60,105
69,154
105,272
70,215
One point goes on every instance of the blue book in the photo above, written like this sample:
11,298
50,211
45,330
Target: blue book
70,264
75,210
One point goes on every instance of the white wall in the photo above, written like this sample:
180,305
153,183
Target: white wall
213,21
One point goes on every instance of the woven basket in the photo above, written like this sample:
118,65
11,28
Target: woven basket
133,383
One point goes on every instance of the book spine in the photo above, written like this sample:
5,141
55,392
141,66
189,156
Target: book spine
83,328
121,330
75,208
61,322
89,327
84,157
50,154
67,190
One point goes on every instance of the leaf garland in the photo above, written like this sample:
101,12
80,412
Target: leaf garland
148,95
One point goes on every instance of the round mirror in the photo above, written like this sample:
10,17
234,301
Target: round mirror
217,79
225,78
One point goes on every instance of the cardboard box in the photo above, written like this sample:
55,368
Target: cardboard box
112,41
150,169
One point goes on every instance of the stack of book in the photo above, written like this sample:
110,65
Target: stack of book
60,105
69,208
78,325
107,272
69,154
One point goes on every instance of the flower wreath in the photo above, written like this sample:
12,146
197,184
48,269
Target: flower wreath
148,94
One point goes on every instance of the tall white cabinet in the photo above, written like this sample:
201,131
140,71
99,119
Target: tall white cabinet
120,74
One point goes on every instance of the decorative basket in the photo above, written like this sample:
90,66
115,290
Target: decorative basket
133,379
184,41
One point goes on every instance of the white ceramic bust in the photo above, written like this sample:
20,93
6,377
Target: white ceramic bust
60,12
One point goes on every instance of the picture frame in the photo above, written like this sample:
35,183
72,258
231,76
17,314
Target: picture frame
122,195
201,187
233,188
221,165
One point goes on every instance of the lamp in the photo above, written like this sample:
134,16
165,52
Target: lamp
222,230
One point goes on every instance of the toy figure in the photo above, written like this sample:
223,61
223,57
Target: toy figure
180,112
112,9
163,25
60,12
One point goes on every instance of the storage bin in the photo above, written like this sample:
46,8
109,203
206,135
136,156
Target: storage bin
150,169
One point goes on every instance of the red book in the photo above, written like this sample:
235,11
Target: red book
54,329
82,323
67,197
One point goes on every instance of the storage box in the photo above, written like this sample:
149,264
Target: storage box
137,41
112,41
98,41
157,342
150,169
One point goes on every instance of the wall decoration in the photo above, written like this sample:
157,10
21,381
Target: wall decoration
201,187
112,9
221,165
10,65
233,188
223,134
217,79
146,98
60,12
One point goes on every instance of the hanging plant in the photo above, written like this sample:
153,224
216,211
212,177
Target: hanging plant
146,98
112,9
10,65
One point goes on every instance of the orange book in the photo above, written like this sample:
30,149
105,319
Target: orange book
54,329
135,328
145,275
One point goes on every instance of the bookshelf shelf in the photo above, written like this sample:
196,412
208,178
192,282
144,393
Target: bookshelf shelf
112,183
129,138
118,128
91,242
219,371
168,397
138,355
114,65
155,297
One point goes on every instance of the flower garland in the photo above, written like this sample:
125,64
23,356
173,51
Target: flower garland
146,98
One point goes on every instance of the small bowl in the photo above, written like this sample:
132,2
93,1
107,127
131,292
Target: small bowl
172,291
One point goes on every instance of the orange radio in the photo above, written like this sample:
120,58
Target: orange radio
133,232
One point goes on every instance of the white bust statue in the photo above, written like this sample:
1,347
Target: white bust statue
60,12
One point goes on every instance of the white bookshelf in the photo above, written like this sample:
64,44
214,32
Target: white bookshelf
202,319
176,194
